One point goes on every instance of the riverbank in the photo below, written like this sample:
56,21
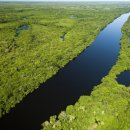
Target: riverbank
38,53
108,106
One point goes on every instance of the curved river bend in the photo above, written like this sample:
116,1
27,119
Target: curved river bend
74,80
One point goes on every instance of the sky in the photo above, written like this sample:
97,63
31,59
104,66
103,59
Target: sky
65,0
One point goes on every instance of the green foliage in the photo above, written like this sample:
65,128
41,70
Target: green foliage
108,106
36,54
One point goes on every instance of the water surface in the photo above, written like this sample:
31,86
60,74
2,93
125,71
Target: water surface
24,27
73,17
124,78
76,79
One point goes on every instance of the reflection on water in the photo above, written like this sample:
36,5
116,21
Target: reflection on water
76,79
24,27
73,17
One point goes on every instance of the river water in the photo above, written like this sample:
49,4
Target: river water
75,79
124,78
24,27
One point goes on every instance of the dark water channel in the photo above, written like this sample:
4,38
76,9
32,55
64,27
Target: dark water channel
24,27
76,79
124,78
63,36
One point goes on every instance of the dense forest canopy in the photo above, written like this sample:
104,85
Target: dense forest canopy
36,40
108,107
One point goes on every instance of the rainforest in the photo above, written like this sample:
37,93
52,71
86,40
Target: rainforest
64,65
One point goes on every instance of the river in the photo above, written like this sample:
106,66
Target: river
75,79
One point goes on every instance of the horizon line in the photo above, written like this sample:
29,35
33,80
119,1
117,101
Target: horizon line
63,1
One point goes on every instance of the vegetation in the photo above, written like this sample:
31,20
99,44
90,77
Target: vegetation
108,107
32,55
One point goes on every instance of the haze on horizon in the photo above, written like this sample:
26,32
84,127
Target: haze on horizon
66,0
